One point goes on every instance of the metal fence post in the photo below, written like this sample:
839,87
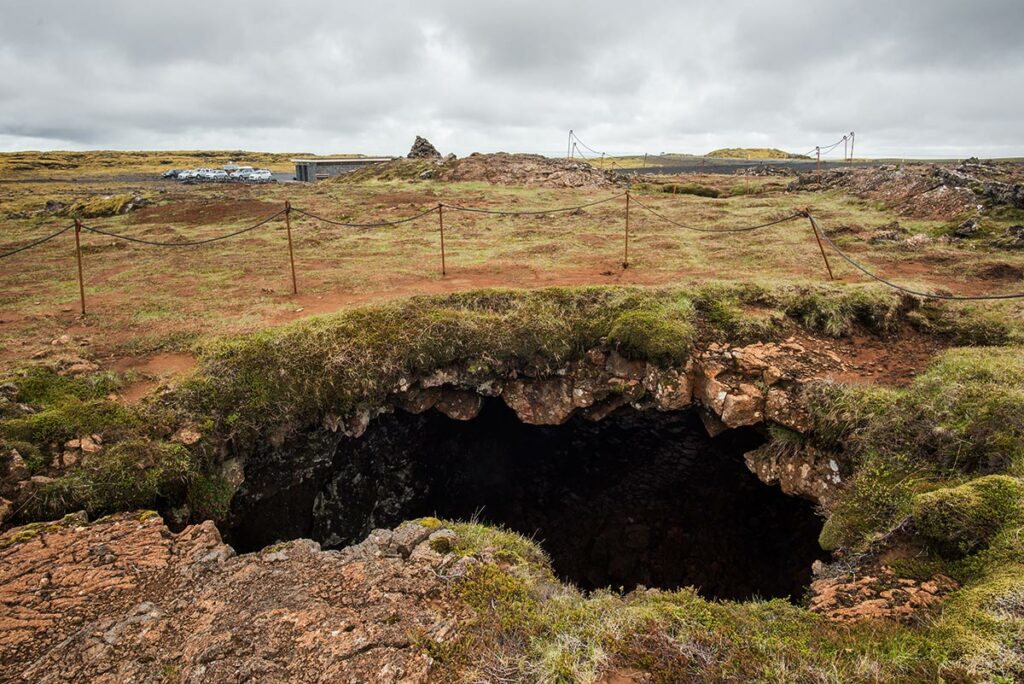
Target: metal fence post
291,252
440,223
78,255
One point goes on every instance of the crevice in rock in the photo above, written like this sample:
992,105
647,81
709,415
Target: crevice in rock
637,498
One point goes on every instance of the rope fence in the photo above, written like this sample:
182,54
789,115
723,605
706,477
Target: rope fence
821,238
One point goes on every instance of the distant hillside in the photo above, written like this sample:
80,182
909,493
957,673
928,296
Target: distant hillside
753,153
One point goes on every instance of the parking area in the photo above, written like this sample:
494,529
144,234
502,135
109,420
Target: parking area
229,173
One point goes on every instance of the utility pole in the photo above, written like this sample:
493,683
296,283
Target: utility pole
817,150
851,145
568,149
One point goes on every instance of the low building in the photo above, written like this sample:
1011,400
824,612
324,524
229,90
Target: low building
316,169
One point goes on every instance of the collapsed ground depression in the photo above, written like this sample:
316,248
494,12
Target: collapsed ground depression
638,498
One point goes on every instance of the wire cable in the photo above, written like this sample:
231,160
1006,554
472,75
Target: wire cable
717,230
901,288
500,212
35,243
374,224
577,138
190,243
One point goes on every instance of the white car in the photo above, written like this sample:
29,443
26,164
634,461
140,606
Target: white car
242,173
216,175
261,176
187,174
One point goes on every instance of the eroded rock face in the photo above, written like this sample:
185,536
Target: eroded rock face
799,471
732,387
124,599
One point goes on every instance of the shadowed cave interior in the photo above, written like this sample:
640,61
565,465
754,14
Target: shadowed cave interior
638,498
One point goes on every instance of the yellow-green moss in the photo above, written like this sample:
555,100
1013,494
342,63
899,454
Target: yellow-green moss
961,520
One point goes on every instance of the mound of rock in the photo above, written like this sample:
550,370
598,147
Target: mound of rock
422,149
929,191
529,170
765,170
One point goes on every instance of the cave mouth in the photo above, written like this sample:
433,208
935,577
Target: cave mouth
638,498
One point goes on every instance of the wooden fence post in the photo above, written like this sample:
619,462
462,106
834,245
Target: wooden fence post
440,223
814,227
78,255
291,252
625,247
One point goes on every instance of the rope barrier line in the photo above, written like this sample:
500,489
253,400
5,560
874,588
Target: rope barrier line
557,210
374,224
820,234
901,288
718,230
190,243
35,243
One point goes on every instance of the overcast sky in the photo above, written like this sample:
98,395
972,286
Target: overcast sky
927,78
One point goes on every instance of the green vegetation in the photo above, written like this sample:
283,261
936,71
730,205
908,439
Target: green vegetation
938,461
530,626
753,153
906,442
690,189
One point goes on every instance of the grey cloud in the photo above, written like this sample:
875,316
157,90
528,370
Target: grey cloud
913,78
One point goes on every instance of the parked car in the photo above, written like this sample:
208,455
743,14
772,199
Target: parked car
217,175
261,176
188,174
173,173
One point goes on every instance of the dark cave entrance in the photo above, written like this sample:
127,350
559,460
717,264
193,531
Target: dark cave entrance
639,498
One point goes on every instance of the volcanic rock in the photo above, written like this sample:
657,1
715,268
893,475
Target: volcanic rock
422,149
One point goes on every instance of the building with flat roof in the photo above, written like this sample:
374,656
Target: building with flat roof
316,169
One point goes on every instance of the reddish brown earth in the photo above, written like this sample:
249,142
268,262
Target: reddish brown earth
191,211
124,599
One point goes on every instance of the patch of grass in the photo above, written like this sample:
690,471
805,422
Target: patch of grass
690,189
71,418
136,473
527,631
962,418
42,385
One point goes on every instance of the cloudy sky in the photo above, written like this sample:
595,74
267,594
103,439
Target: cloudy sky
925,78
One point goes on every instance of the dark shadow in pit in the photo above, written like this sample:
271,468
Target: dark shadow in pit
639,498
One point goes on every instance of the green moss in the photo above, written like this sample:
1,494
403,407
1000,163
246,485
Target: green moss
136,473
963,519
835,313
663,335
967,325
72,418
42,385
901,442
32,530
208,495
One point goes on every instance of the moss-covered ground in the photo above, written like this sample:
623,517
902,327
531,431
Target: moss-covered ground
938,464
